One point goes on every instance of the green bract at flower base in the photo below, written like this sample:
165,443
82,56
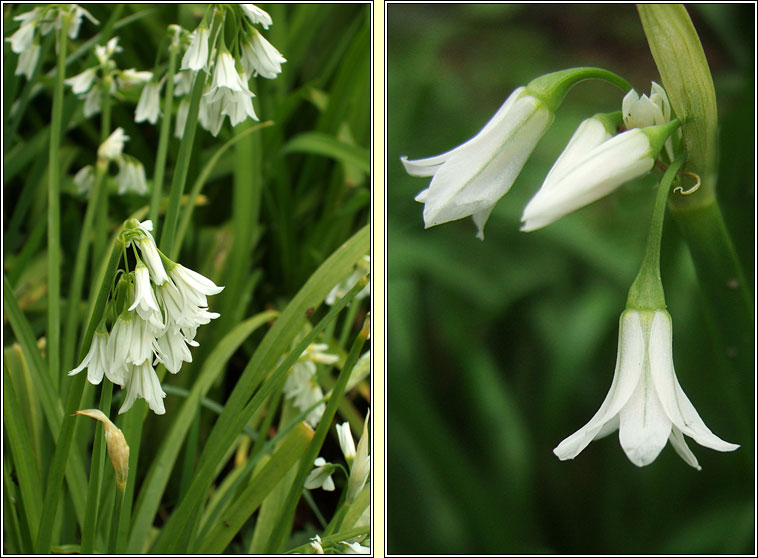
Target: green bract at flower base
470,179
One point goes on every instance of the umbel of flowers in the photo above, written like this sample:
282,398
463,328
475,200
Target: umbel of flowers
154,312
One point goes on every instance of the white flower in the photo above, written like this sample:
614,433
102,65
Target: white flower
256,15
143,382
84,179
22,38
345,438
591,167
76,20
360,371
80,83
131,177
645,403
209,115
183,83
193,286
237,105
131,77
196,56
92,102
27,61
119,342
225,76
355,548
150,254
470,179
113,146
172,349
259,57
96,360
181,117
144,298
316,544
316,352
321,476
640,112
302,386
361,466
148,106
104,53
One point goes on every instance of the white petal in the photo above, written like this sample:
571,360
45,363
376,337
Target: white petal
677,441
644,427
625,379
676,404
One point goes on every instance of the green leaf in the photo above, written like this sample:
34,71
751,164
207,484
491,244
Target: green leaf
317,143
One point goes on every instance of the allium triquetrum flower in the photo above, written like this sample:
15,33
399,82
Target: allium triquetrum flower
645,403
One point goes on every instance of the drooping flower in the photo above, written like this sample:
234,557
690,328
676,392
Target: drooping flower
103,53
642,111
321,476
316,544
150,254
96,360
131,77
259,57
131,176
470,179
256,15
80,83
27,61
84,179
196,56
345,438
193,286
113,146
302,386
593,165
144,299
148,106
143,382
92,102
645,403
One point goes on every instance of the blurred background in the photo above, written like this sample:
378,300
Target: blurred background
498,350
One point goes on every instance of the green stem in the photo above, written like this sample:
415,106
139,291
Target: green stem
54,483
89,528
101,209
54,215
646,291
306,462
160,161
116,522
552,88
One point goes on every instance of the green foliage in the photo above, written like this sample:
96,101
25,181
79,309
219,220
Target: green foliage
276,211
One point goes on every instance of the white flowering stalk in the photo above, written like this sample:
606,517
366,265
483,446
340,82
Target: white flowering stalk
593,165
165,303
470,179
645,403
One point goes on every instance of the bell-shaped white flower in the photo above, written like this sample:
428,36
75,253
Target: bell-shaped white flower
80,83
149,104
321,476
143,382
261,58
92,102
27,61
181,117
225,76
113,145
645,403
96,360
303,387
131,177
104,53
24,35
196,56
470,179
209,115
237,105
193,286
84,179
150,254
144,298
132,77
172,349
592,166
256,15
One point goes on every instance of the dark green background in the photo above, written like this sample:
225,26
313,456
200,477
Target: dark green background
498,350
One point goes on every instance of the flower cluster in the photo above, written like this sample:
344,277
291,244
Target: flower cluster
228,92
158,309
39,22
131,173
470,179
302,383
